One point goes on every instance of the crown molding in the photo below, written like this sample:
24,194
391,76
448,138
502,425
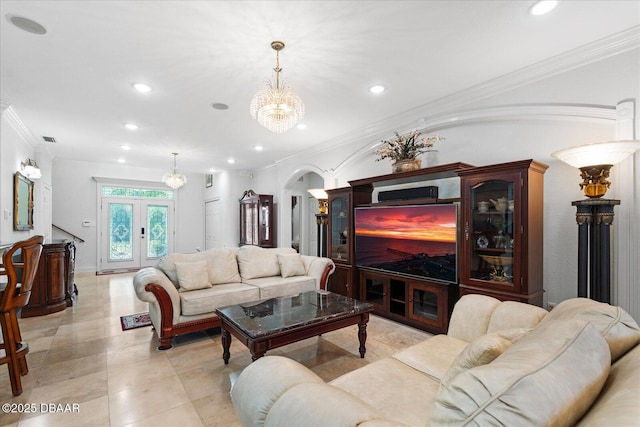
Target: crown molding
10,115
557,112
598,50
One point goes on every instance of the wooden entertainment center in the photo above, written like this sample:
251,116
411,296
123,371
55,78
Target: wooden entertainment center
499,249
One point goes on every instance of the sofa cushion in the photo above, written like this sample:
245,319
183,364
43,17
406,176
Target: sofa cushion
222,265
432,357
549,377
254,262
192,276
291,265
512,314
618,402
167,264
273,287
398,391
616,326
481,351
471,316
207,300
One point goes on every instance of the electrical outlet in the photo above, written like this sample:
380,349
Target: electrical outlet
551,306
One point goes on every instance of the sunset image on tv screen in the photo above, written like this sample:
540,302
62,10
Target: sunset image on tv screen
418,240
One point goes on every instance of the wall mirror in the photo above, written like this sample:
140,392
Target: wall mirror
23,203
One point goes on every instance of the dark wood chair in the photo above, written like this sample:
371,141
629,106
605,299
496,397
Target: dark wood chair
15,296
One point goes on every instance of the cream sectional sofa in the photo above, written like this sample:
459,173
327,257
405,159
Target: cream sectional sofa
501,363
184,290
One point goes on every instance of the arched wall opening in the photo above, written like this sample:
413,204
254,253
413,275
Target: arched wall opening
297,209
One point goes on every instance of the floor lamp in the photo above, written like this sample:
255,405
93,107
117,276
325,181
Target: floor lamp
594,215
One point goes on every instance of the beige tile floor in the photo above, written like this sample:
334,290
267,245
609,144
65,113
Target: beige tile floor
81,356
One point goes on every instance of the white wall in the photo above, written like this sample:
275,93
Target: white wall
228,187
75,201
16,145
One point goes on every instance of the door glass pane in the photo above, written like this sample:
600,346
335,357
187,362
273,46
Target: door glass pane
120,227
339,224
425,304
157,235
136,192
492,228
266,232
374,291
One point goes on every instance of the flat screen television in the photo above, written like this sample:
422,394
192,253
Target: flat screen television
413,240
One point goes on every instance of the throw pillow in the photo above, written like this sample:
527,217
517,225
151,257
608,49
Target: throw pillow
255,262
481,351
167,264
222,266
291,265
192,276
616,325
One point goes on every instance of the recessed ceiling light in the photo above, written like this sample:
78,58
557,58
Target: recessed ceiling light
258,148
231,161
301,126
125,147
121,160
27,24
219,106
542,6
376,89
131,126
142,87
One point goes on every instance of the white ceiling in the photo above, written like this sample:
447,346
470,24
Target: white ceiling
74,83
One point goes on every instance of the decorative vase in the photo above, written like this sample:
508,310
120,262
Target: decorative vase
406,165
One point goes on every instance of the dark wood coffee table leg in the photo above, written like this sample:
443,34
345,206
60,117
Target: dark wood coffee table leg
362,333
226,344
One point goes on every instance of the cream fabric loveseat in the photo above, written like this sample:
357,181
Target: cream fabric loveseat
183,290
501,364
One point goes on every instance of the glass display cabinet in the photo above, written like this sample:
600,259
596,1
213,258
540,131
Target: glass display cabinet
256,220
502,208
341,202
339,247
339,226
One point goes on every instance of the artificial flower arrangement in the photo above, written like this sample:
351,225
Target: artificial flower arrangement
406,147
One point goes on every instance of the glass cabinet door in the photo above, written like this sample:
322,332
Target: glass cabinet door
490,231
339,226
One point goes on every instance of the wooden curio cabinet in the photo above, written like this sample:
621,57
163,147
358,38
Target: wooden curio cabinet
501,251
256,220
340,243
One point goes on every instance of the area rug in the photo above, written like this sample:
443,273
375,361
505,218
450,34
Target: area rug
134,321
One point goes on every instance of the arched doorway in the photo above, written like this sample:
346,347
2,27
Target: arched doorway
297,210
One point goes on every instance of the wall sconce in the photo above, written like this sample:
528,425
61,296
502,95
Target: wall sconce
323,199
30,169
595,162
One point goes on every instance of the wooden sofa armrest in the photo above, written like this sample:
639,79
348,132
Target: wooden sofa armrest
319,268
328,270
166,309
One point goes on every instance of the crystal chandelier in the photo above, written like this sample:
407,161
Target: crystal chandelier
277,108
174,179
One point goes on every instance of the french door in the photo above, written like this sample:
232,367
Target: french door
135,233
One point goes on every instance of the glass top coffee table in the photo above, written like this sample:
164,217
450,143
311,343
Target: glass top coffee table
268,324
